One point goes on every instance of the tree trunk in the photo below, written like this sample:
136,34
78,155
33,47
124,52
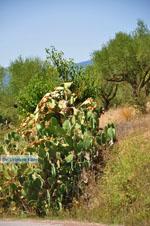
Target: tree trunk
106,104
135,90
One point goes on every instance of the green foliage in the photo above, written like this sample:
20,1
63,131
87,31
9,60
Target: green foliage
2,76
70,72
124,190
126,59
67,69
30,96
122,195
22,71
123,95
87,84
7,111
96,85
140,103
66,140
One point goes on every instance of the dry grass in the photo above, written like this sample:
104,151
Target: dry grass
118,115
141,124
127,113
126,120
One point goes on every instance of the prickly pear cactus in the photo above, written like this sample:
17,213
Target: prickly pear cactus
66,139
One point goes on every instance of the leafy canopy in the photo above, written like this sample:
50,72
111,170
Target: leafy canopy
22,71
126,59
30,80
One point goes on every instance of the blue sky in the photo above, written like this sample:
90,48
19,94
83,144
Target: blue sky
76,27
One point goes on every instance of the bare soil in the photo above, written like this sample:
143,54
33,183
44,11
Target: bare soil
126,125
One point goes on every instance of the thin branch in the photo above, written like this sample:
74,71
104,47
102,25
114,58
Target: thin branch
115,80
115,92
107,96
123,77
145,81
104,95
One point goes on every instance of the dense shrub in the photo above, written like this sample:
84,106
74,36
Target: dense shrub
31,95
66,140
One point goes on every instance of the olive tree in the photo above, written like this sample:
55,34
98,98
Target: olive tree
126,58
100,87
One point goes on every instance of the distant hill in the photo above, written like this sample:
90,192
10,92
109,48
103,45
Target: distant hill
6,79
85,63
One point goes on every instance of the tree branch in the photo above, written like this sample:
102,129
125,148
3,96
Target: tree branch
115,80
114,94
144,82
104,95
124,77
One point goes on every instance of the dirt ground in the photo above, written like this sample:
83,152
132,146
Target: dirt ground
127,121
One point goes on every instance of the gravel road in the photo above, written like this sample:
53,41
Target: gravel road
12,222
